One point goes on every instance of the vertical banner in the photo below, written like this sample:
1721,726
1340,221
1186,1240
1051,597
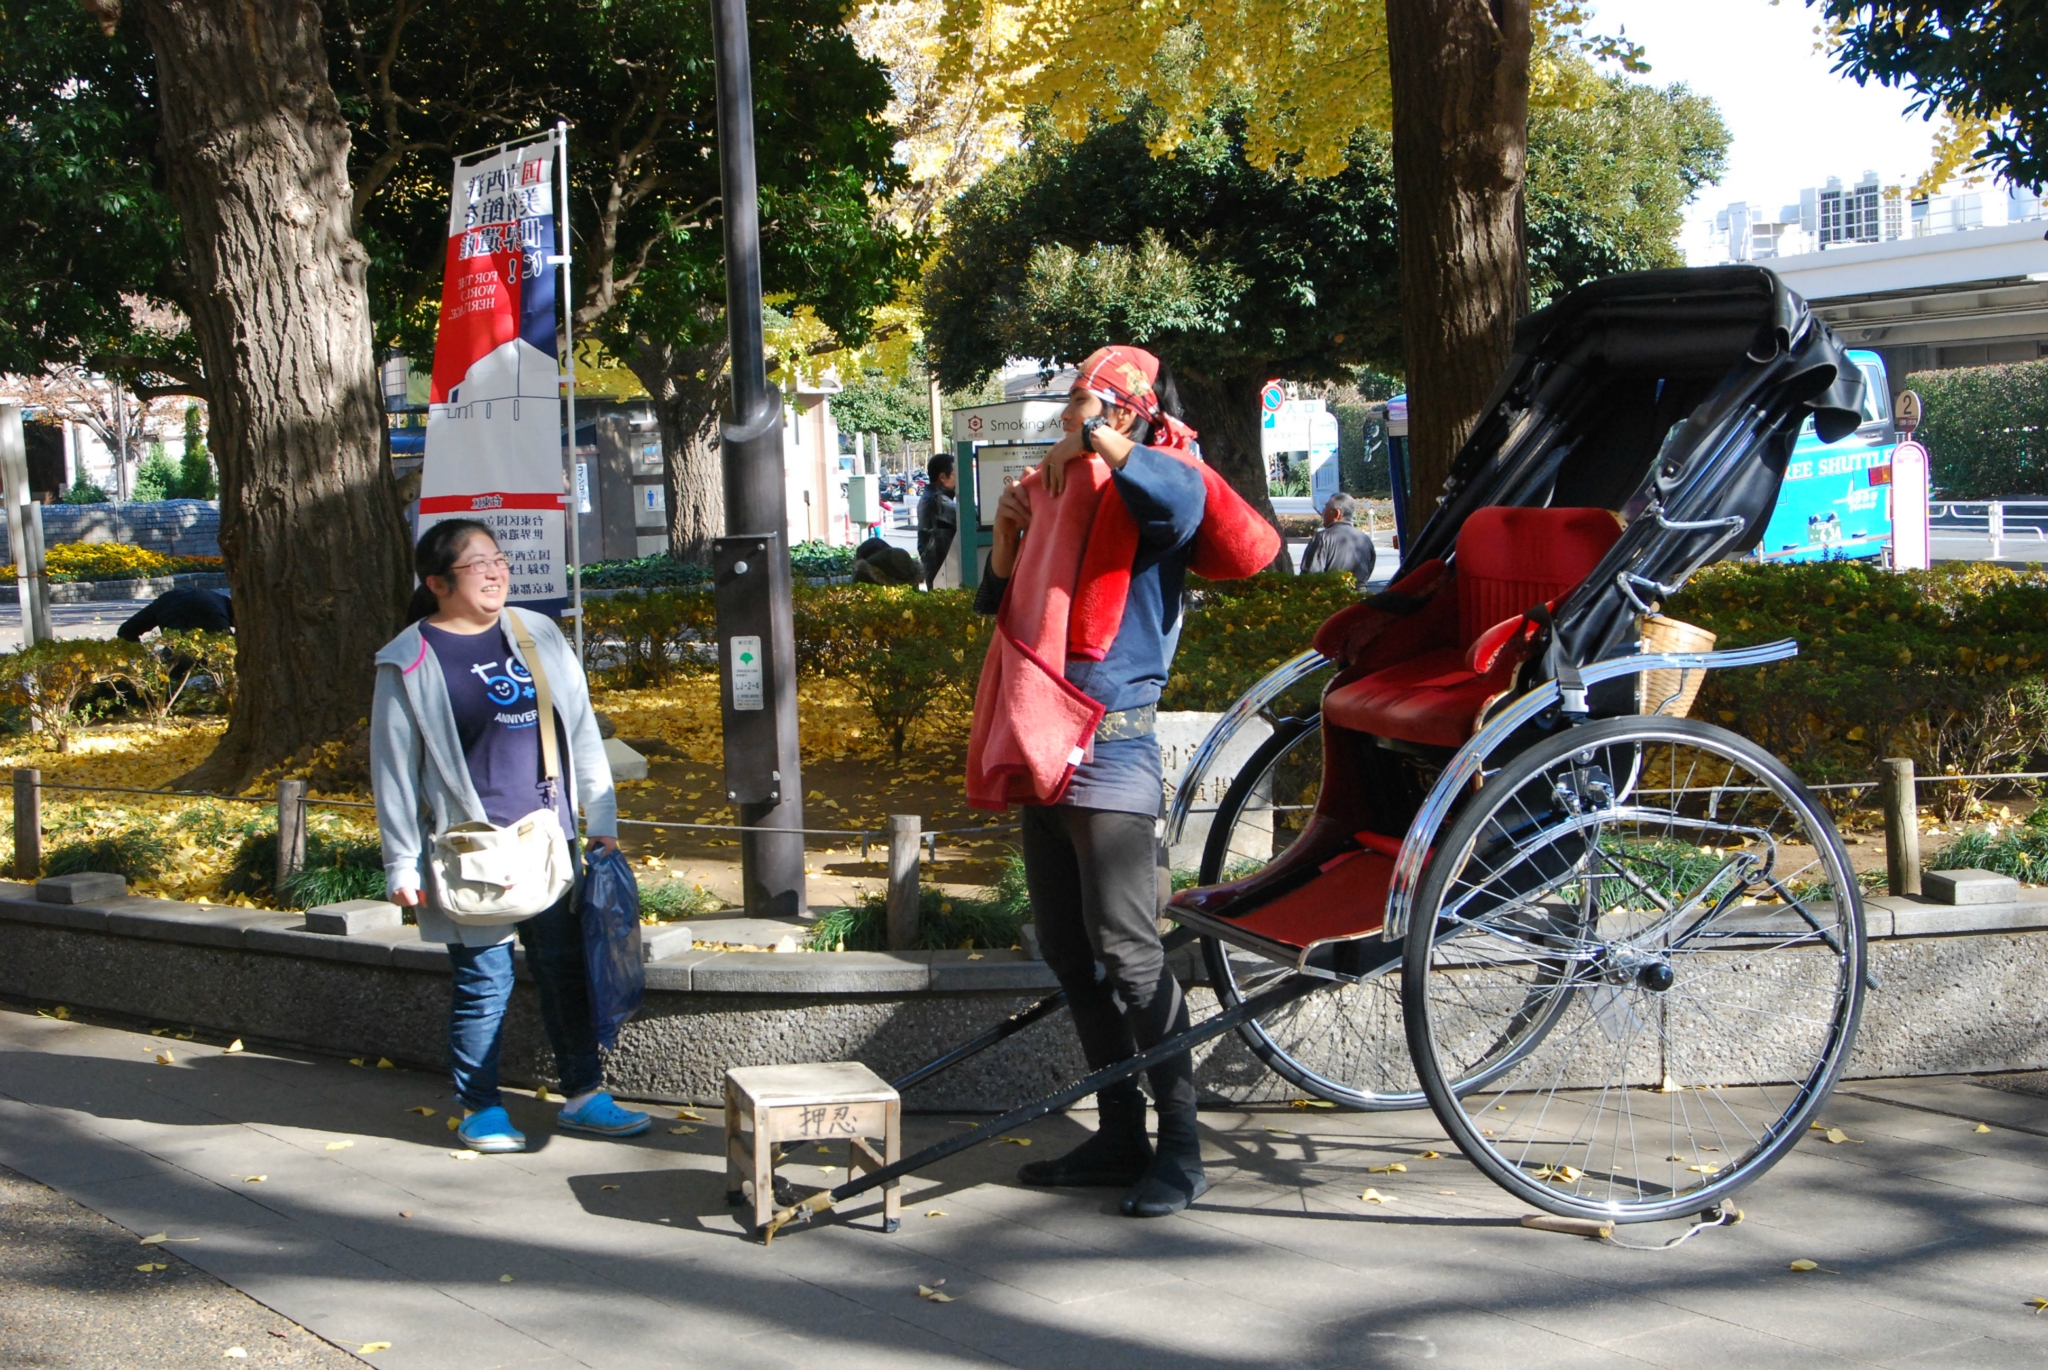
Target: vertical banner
494,415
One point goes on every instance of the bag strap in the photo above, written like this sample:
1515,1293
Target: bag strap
550,758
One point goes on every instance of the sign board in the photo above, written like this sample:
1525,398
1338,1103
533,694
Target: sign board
494,409
1322,458
1910,541
993,466
1014,421
1272,396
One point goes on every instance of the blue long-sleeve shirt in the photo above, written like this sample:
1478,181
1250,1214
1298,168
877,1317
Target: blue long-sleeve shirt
1166,497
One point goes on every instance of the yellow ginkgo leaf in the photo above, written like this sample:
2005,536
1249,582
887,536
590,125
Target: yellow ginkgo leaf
464,1155
1373,1196
165,1058
155,1239
422,1110
370,1346
504,1279
1803,1264
339,1146
1836,1137
682,1131
2036,1303
355,1060
1704,1169
147,1266
1428,1156
1311,1103
453,1124
232,1047
1568,1174
254,1179
925,1291
607,1186
1013,1141
689,1115
936,1213
1280,1131
384,1063
1395,1169
1981,1127
541,1095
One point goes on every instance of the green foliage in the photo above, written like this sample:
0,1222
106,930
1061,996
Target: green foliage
1978,58
1948,667
944,922
658,632
340,864
209,654
83,491
195,468
49,682
2020,851
672,900
1237,631
817,559
644,573
156,478
1986,428
902,650
874,403
139,853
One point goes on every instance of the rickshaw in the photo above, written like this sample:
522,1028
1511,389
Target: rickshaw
1500,872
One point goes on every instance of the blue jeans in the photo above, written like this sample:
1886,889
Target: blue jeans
483,987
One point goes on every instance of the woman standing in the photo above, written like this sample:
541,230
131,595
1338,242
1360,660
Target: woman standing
1091,556
455,738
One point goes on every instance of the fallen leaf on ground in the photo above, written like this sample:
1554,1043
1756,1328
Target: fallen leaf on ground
165,1058
689,1115
183,1036
1981,1127
355,1060
683,1131
2037,1304
607,1186
384,1063
232,1047
541,1095
370,1346
1373,1196
936,1213
148,1266
464,1155
254,1179
925,1291
405,1212
1281,1131
422,1110
60,1013
453,1124
1310,1103
153,1238
1803,1264
1395,1169
1428,1156
1704,1169
234,1353
825,1149
1014,1141
1447,1191
828,1169
504,1279
158,1032
1836,1136
339,1146
974,956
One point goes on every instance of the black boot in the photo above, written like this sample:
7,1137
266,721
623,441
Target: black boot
1175,1179
1114,1158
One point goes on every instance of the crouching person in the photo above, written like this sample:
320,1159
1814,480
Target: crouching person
483,747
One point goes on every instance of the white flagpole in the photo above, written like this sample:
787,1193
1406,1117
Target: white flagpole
572,508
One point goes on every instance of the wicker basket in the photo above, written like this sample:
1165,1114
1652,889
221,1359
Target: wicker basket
1670,693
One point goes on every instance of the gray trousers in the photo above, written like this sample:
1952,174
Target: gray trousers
1095,895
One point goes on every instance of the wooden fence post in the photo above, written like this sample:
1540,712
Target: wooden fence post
1901,825
28,824
904,829
291,829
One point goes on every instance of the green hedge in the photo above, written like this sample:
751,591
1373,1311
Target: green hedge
807,560
1986,428
1948,667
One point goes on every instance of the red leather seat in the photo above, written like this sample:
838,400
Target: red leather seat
1509,560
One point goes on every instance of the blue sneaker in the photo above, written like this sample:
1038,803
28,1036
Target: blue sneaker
490,1130
600,1115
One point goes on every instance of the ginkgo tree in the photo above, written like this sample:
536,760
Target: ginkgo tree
1451,80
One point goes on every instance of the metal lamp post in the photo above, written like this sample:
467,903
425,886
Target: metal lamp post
757,648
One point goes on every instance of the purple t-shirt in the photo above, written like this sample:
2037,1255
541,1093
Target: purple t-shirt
495,711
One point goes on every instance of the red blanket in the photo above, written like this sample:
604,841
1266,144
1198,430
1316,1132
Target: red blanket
1066,599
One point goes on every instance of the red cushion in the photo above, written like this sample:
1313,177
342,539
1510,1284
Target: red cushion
1431,699
1348,898
1509,559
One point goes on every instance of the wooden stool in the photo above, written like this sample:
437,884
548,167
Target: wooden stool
831,1101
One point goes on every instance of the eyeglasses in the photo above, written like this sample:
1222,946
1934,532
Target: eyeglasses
484,566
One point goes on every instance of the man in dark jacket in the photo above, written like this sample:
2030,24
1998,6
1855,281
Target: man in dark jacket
179,610
1340,545
938,515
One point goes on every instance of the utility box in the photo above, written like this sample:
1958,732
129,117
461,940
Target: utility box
863,501
751,587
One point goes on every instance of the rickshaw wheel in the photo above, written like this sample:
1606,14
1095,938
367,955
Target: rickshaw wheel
1344,1045
1688,911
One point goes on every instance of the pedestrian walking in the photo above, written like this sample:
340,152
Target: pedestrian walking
483,747
938,515
1340,545
1091,553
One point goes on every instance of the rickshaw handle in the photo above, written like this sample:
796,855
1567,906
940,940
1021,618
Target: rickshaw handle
1429,819
1275,683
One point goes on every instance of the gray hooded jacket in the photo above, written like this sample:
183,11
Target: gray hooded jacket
421,781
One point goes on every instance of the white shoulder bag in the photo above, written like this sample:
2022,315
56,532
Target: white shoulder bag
484,874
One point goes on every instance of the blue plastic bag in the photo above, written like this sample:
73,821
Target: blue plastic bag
610,909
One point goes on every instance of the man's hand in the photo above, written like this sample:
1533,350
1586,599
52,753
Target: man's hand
1013,516
409,899
603,844
1053,469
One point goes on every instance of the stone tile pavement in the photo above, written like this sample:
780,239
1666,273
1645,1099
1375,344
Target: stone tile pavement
1931,1236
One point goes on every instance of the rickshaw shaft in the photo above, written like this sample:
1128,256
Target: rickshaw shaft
1288,990
1015,1023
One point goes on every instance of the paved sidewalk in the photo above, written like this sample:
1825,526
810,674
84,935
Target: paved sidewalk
1931,1236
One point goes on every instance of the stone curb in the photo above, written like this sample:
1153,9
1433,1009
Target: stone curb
95,591
700,971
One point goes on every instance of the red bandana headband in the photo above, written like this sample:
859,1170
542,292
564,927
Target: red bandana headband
1125,376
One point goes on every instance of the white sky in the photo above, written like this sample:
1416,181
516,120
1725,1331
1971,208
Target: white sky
1795,123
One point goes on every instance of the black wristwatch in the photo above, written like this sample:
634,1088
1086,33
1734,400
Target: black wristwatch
1088,427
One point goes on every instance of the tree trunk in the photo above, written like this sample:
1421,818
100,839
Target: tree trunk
689,388
1460,71
257,158
1224,410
